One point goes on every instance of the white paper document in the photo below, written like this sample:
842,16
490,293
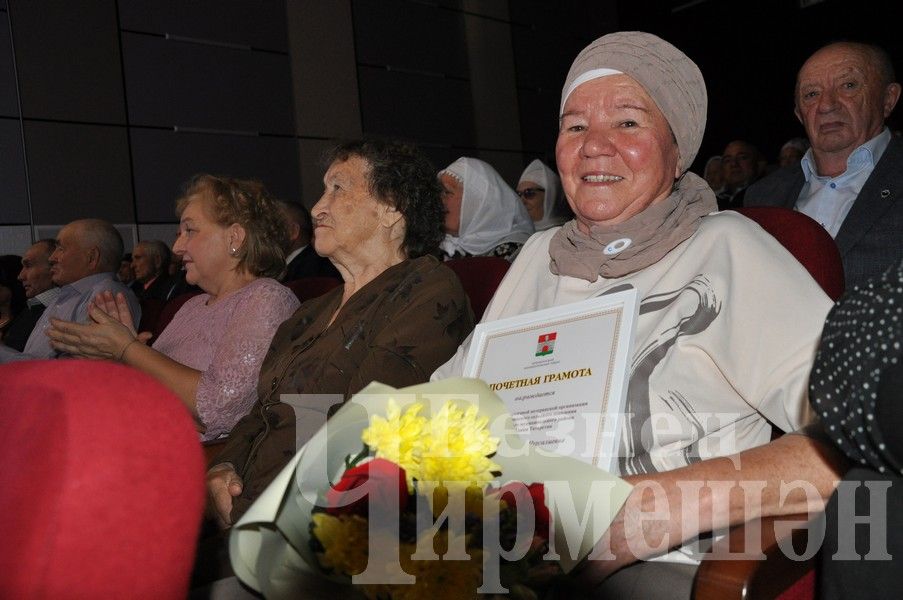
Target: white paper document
562,373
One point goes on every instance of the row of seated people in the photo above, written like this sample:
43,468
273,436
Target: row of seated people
207,343
479,276
109,451
792,233
728,321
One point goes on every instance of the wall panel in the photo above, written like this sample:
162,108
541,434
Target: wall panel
67,54
14,239
492,82
78,171
546,37
407,35
193,85
106,82
310,154
324,71
9,104
14,204
164,160
508,164
259,24
494,9
442,156
422,108
539,114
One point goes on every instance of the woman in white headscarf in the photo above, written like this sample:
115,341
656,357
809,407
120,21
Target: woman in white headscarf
540,190
484,216
728,320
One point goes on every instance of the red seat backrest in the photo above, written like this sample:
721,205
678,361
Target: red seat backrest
103,483
169,311
806,240
480,276
150,313
306,288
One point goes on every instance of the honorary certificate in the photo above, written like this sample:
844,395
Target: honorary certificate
562,373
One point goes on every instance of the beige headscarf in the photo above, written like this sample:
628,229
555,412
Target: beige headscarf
667,74
676,85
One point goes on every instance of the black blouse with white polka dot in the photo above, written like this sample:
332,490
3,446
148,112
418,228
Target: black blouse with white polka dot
855,384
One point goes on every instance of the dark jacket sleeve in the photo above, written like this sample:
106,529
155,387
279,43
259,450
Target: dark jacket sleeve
781,188
241,438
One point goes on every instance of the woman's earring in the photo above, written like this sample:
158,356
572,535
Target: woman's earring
233,251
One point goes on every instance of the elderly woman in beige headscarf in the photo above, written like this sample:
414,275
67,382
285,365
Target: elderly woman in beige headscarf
728,319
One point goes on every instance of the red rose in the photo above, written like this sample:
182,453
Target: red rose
538,497
385,483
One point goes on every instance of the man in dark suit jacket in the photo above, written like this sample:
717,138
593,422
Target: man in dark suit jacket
851,179
150,262
39,290
741,165
302,260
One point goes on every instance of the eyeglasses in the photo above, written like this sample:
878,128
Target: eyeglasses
528,193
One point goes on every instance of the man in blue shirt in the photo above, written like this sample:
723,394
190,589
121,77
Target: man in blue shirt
851,179
84,264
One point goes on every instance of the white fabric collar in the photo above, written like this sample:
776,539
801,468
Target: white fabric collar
295,253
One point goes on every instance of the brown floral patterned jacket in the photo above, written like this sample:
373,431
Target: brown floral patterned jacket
396,330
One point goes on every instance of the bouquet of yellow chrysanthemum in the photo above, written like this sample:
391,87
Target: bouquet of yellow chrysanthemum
411,470
435,504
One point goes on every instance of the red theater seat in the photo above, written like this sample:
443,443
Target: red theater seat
806,240
169,311
730,572
311,287
103,483
480,276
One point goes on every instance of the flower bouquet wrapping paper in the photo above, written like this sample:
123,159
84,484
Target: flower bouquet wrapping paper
425,491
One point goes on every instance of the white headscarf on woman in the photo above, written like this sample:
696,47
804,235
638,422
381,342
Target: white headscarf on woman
553,213
491,212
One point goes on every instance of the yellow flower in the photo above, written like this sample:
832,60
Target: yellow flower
344,539
397,437
456,446
435,579
453,445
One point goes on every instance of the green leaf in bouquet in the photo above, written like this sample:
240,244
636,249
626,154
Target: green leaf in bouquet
351,462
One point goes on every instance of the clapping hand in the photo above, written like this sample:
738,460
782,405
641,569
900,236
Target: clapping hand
111,331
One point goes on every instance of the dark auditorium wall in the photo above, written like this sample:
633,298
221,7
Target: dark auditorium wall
107,106
116,103
750,52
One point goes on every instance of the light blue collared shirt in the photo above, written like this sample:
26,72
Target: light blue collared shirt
828,200
45,298
71,304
